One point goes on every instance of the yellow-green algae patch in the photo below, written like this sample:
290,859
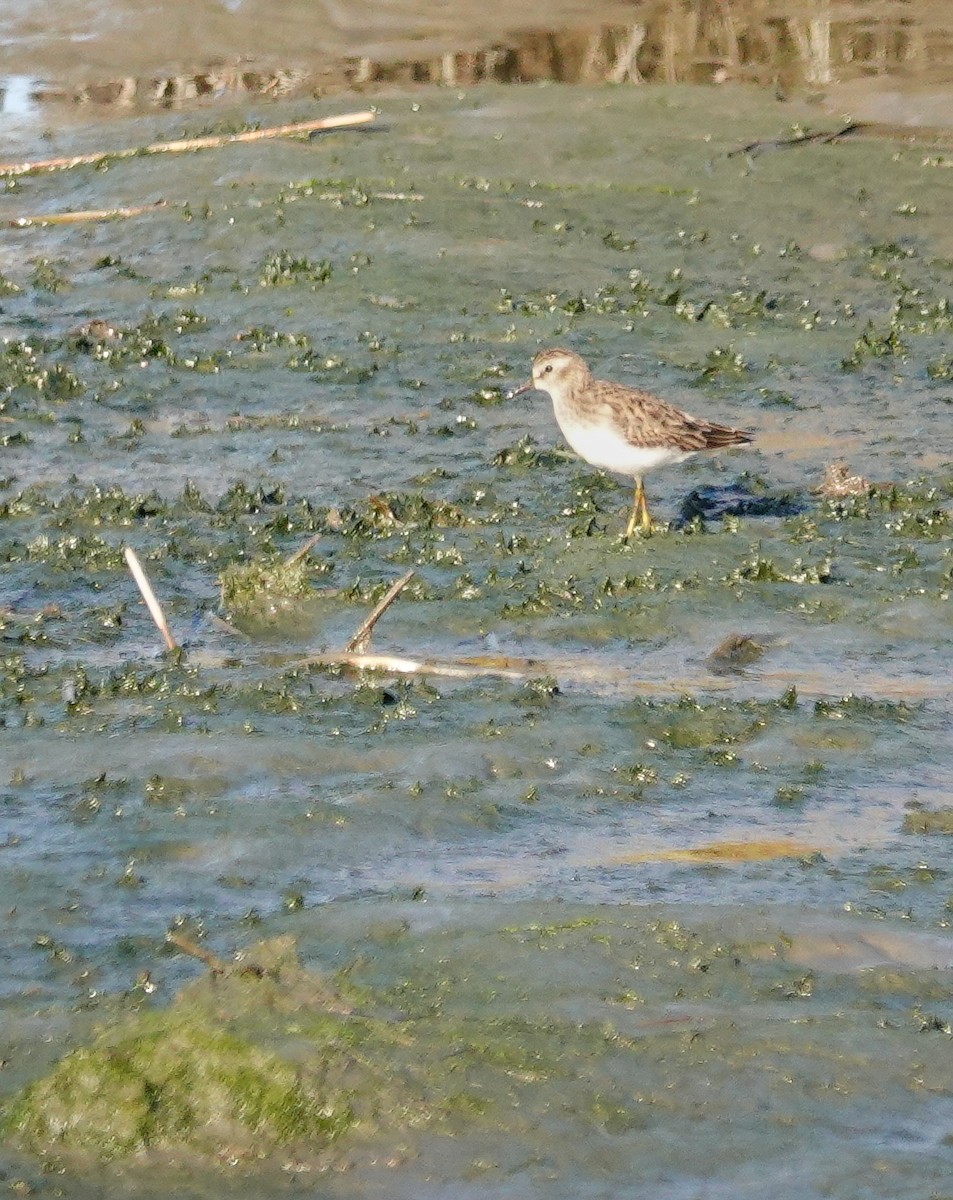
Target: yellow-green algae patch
929,820
727,852
263,591
201,1078
437,1043
171,1081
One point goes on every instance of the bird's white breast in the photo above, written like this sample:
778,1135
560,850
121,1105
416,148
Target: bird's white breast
604,447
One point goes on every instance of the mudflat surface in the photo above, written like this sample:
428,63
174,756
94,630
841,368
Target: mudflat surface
317,338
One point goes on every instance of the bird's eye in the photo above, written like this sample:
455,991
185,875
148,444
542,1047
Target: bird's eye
547,368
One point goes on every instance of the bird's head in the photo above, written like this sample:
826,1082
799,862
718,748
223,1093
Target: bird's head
554,371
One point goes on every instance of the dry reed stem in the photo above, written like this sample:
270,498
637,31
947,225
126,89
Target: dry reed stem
459,669
362,636
89,214
343,121
621,678
303,551
153,605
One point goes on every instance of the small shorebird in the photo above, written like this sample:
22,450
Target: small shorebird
621,429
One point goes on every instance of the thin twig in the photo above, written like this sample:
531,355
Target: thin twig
202,143
804,139
215,964
89,214
362,637
153,605
303,551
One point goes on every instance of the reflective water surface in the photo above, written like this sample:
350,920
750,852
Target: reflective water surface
120,57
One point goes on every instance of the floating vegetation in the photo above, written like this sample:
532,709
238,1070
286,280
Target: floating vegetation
928,821
254,423
48,276
692,725
265,1061
930,524
283,268
331,368
872,344
487,397
391,511
263,591
724,362
762,569
25,366
527,453
863,706
941,369
262,338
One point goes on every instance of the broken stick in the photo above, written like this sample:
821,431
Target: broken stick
215,964
397,664
87,214
362,636
153,605
344,121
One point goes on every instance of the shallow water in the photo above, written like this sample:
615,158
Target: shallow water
803,294
886,61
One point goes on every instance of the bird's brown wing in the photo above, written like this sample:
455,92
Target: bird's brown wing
648,421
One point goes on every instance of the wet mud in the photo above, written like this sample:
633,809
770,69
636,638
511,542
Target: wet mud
316,338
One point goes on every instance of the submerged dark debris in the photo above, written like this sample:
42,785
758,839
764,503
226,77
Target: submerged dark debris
737,652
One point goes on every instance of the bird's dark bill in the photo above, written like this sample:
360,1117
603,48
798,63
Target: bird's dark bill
524,387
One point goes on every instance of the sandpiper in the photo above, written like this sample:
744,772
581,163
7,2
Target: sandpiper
619,428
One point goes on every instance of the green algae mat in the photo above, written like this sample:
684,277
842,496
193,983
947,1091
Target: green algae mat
478,1047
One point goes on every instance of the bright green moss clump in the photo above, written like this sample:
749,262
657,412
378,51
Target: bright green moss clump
166,1084
263,591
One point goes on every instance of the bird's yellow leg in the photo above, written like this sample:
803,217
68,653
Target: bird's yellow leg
640,515
640,503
